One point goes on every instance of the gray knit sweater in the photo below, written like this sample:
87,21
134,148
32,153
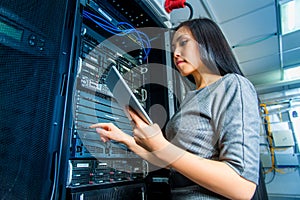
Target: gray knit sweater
221,122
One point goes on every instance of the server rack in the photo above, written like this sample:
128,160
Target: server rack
110,33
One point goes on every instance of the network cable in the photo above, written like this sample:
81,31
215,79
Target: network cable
142,38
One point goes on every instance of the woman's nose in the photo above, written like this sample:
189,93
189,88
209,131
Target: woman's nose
176,53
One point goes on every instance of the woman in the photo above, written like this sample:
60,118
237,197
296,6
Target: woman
212,145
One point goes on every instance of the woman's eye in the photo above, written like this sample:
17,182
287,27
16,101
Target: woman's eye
183,42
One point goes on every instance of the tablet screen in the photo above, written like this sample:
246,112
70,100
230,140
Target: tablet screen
123,94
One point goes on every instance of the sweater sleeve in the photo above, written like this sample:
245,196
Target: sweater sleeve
238,127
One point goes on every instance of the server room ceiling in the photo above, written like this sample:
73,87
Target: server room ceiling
251,28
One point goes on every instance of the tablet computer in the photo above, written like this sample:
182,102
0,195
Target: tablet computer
123,94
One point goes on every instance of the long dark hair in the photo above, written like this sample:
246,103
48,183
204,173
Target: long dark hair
214,48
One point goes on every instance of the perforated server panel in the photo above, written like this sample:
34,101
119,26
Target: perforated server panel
35,38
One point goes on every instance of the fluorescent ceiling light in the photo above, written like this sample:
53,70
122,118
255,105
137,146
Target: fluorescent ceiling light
290,16
292,73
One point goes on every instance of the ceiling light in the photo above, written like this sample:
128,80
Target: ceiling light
292,73
290,16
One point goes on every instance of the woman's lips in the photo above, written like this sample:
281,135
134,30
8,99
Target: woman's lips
179,62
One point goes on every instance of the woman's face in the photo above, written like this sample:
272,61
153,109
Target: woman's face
186,52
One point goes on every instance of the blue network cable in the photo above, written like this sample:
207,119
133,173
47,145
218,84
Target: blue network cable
139,35
115,30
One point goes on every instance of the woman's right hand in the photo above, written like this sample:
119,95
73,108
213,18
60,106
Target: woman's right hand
109,131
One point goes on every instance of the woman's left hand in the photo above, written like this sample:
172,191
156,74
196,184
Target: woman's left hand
147,136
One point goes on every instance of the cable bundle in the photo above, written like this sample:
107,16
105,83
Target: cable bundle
122,29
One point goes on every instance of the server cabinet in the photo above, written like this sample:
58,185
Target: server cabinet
54,60
35,51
